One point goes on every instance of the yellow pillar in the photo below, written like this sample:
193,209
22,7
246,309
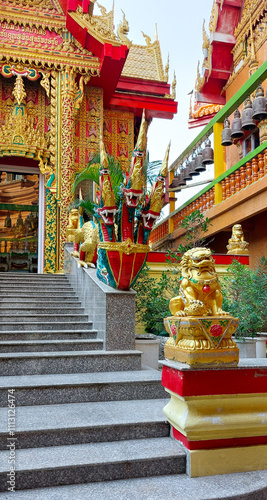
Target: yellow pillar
172,203
218,159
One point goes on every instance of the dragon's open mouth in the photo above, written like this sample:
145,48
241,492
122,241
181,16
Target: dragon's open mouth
107,214
149,219
132,197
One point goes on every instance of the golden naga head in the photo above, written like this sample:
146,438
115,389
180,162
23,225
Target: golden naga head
155,201
107,209
134,190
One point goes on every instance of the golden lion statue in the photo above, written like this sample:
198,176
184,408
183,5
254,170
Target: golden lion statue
200,291
236,244
73,224
88,236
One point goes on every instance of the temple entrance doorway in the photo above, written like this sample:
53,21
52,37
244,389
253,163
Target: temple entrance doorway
21,219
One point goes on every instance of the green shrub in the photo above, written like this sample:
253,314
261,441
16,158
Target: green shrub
245,296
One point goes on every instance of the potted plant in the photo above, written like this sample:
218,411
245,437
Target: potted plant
245,297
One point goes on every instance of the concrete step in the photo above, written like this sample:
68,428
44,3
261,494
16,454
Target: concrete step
44,316
46,278
52,334
40,325
242,486
68,362
39,307
23,301
83,387
78,423
50,345
95,462
44,295
19,288
33,280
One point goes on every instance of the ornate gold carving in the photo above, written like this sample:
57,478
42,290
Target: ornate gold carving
67,154
201,341
206,40
147,39
167,67
126,247
251,34
199,80
213,17
45,82
123,30
263,131
44,5
100,26
207,109
174,82
50,233
18,135
19,91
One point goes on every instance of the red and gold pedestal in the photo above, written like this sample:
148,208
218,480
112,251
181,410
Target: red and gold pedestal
202,340
219,415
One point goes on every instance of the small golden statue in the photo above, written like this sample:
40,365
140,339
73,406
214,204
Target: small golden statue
73,224
200,330
236,244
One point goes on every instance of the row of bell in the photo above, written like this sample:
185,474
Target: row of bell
254,111
195,166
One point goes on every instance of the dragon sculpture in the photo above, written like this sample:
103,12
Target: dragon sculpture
122,249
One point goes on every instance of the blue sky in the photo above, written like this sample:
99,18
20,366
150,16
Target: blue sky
179,25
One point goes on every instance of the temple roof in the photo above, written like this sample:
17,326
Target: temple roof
237,29
61,34
145,62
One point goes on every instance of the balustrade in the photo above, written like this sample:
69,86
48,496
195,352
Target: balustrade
248,173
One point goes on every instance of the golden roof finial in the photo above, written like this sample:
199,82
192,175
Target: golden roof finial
156,32
147,39
19,90
103,154
164,166
206,41
141,141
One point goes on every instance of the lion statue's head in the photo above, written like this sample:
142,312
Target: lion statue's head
198,264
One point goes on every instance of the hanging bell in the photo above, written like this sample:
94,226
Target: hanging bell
247,121
199,165
237,133
193,164
259,105
186,172
207,154
226,134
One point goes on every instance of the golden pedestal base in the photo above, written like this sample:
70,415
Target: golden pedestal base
199,341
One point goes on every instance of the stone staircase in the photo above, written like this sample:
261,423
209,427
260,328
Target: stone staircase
89,422
83,414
